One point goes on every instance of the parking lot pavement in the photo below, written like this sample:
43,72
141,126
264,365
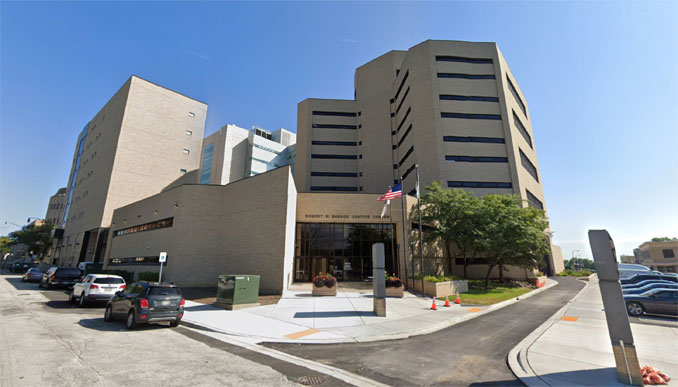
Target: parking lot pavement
46,341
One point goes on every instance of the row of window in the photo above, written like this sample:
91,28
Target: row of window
450,97
342,143
516,96
495,140
409,128
334,114
206,173
335,174
409,170
163,223
347,157
267,149
333,126
478,184
402,83
476,159
522,129
471,116
533,201
407,154
466,76
268,163
403,100
154,260
527,164
407,113
445,58
329,188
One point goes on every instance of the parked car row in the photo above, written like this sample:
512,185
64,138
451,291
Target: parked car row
137,303
651,292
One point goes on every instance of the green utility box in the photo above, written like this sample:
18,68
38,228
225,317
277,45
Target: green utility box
236,291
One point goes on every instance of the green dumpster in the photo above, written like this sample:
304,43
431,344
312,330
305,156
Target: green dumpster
237,291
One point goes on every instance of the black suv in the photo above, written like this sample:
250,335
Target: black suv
64,277
143,302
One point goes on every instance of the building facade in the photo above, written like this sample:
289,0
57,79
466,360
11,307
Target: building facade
660,256
142,140
56,207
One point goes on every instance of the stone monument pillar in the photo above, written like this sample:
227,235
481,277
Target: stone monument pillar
379,279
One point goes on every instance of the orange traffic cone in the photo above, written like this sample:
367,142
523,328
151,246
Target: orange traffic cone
434,307
457,301
447,301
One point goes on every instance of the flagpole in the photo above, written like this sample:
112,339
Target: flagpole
404,245
421,238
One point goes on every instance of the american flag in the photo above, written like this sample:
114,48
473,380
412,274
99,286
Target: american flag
392,193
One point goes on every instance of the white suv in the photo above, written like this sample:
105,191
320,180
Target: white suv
96,287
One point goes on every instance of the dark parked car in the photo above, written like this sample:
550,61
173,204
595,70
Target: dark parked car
144,302
646,282
32,275
643,277
648,287
656,301
62,277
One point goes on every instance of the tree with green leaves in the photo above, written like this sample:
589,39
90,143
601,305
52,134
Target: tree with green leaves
513,235
37,238
664,239
454,218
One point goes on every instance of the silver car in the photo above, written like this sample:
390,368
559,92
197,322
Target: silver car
96,287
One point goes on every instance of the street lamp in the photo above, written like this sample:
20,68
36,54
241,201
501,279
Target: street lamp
13,224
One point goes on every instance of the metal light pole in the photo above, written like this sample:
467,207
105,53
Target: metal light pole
404,246
421,238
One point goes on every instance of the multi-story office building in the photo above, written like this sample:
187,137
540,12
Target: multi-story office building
56,207
234,153
142,140
661,256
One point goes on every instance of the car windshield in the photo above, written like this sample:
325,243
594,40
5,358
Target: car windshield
162,291
34,270
109,280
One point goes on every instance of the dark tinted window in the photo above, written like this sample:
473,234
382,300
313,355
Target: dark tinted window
66,271
160,291
34,270
109,281
668,253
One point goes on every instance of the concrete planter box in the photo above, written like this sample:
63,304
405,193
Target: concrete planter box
395,292
439,289
324,291
540,281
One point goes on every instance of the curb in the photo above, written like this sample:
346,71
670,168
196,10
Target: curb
517,357
394,335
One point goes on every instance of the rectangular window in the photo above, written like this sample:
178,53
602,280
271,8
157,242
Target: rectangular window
402,83
527,164
409,170
334,114
471,116
522,129
333,126
325,188
267,149
476,159
409,152
450,97
516,96
466,76
191,114
141,261
495,140
188,133
403,100
163,223
182,171
186,151
335,174
346,157
409,128
478,184
341,143
533,201
668,253
407,113
445,58
206,172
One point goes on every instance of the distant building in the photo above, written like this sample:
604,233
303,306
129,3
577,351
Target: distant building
56,207
661,256
234,153
627,258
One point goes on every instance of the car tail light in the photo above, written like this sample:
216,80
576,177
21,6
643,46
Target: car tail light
183,301
123,286
144,303
93,286
52,278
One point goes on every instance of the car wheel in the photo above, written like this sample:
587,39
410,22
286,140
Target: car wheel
130,323
83,302
175,324
71,297
108,315
48,286
635,308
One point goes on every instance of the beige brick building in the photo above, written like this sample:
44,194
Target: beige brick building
56,207
141,141
660,256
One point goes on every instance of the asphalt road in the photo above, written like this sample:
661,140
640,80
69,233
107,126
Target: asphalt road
47,341
471,353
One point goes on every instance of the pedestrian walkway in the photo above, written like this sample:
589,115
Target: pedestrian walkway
347,318
573,347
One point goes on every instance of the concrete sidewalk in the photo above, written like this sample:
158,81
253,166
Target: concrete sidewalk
347,318
573,347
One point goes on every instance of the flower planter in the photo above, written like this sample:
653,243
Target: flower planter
439,289
540,281
324,290
395,292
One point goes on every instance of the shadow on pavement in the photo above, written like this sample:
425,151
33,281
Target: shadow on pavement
202,308
498,383
587,377
20,285
98,324
343,313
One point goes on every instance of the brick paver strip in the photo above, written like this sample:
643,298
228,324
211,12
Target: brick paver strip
568,318
306,332
475,309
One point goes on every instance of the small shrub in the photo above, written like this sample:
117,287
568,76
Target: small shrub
324,280
393,282
149,276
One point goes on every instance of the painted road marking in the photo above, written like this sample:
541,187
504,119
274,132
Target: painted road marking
475,309
568,318
300,334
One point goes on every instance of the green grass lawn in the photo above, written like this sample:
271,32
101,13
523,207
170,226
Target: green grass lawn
478,295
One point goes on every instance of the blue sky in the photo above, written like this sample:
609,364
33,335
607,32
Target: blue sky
601,81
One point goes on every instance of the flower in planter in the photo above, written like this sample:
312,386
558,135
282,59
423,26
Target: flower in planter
324,280
393,282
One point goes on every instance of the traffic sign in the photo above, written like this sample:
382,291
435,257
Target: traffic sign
163,257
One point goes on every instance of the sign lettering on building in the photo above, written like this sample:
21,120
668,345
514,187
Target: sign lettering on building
342,216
